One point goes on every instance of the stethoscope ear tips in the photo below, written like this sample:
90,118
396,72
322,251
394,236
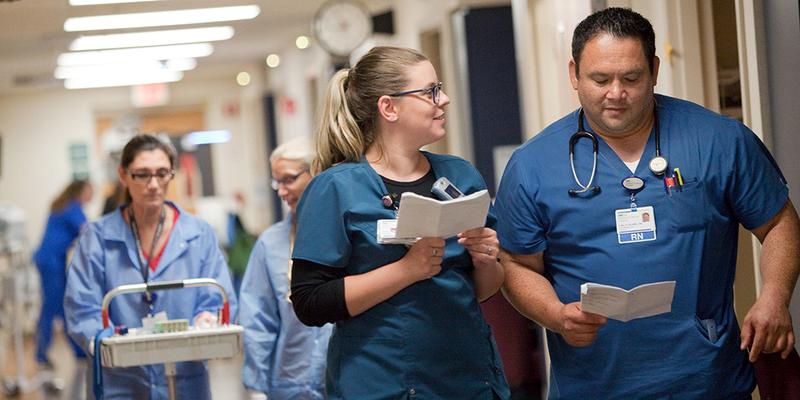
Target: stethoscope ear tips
572,192
596,189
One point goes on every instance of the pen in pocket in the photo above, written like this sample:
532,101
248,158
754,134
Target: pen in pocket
669,183
679,178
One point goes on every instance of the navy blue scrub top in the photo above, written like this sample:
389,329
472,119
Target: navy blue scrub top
729,179
429,340
62,228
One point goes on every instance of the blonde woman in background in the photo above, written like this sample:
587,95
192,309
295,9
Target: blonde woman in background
283,358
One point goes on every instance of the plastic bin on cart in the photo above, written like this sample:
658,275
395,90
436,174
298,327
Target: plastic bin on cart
139,347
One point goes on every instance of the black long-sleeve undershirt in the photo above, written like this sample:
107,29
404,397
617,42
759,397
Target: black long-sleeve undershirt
318,290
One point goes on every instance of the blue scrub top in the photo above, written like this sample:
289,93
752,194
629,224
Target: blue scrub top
62,228
282,357
729,179
430,339
105,258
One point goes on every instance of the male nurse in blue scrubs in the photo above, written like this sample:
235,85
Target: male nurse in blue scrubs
698,176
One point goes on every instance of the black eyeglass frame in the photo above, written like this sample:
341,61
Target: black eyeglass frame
434,90
288,180
161,175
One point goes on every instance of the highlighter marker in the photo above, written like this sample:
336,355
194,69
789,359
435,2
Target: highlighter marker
680,178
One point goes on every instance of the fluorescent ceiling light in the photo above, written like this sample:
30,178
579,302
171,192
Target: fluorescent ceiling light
93,2
194,50
132,68
152,38
123,80
208,137
161,18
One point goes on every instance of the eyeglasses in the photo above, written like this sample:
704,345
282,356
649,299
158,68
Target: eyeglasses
162,175
433,92
276,183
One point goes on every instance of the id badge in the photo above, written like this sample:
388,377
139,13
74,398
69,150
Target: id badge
635,225
387,230
387,233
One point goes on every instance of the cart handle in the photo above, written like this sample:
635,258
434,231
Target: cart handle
166,285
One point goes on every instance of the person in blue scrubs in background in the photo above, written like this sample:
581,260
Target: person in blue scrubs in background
283,359
408,324
149,240
558,236
63,225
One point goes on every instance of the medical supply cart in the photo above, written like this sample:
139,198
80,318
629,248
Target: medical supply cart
173,341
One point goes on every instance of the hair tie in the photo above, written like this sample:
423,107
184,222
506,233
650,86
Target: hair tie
346,82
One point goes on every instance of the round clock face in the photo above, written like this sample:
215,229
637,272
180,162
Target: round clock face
341,26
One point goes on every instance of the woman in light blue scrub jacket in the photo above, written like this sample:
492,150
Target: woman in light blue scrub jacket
408,323
147,240
283,359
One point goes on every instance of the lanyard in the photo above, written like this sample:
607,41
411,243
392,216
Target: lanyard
145,263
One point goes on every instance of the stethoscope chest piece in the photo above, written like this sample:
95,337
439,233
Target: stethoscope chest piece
658,165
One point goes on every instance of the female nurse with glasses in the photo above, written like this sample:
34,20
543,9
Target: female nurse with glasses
408,324
149,239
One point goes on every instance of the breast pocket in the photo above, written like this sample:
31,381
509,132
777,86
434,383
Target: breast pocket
687,207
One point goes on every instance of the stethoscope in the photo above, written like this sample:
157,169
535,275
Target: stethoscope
658,164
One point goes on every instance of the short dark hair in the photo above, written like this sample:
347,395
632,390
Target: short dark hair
146,142
617,22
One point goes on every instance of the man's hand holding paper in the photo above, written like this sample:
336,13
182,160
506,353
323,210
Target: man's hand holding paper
624,305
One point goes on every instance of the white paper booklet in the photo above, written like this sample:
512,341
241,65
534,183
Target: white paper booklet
422,216
624,305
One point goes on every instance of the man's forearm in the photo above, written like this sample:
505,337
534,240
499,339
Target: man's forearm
780,256
531,294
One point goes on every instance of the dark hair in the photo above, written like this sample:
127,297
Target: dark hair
70,193
146,142
347,120
617,22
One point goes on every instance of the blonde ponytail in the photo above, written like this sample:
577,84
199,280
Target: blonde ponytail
347,122
339,138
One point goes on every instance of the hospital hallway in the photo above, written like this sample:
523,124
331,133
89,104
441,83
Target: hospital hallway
226,382
222,94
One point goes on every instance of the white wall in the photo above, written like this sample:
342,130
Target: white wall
38,127
292,79
544,38
37,130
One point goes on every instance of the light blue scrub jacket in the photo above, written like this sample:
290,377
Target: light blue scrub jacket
729,180
429,340
283,358
105,258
